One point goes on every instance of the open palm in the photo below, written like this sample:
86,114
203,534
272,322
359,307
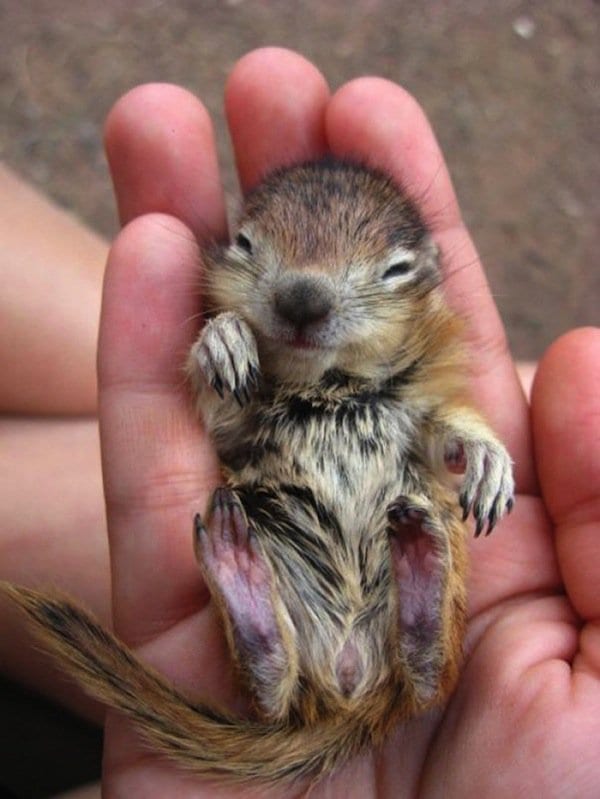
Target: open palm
525,717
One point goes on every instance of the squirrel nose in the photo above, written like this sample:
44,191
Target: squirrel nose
302,301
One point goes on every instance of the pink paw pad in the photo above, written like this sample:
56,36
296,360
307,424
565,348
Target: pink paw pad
418,570
232,557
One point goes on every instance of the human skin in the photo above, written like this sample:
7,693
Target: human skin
52,518
52,535
524,717
52,269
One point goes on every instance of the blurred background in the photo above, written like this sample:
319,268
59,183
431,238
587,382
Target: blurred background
512,89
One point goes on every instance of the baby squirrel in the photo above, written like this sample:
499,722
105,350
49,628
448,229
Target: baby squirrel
331,378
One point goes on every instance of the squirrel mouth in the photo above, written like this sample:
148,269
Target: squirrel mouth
300,342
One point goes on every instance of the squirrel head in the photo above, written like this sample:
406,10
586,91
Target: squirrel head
332,267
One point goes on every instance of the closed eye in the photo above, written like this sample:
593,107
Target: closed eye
399,268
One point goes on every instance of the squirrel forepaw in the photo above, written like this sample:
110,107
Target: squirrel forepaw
226,355
488,485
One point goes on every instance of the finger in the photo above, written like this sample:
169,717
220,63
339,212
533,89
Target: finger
275,102
160,146
377,122
566,426
157,463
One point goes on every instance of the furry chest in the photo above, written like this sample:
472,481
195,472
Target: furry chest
343,447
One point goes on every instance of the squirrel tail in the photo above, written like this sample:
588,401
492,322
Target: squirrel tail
203,740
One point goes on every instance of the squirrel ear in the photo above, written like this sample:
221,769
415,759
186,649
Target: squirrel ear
429,257
430,251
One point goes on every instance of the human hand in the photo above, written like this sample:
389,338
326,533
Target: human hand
525,714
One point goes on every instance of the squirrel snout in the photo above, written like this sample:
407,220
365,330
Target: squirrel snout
302,301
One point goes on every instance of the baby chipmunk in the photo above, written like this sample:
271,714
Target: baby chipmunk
330,374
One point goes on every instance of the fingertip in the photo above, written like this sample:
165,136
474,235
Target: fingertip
275,102
362,92
378,121
150,302
145,98
148,243
565,407
566,387
159,141
570,356
253,65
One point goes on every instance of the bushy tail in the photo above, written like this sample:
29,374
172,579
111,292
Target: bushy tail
199,738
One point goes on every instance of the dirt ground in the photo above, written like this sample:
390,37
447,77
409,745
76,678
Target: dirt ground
512,89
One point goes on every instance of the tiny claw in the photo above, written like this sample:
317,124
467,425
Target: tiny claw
219,497
510,504
396,510
253,541
480,522
255,376
217,384
493,517
199,528
199,540
464,504
238,398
